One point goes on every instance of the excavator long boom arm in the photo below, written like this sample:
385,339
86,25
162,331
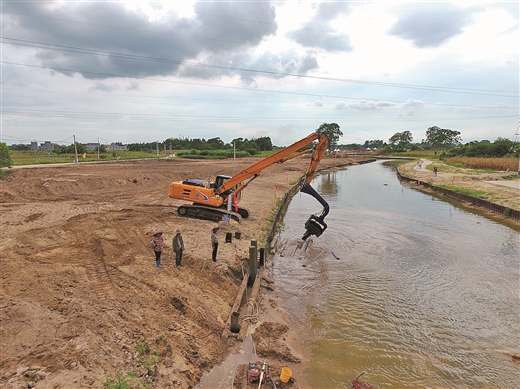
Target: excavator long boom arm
214,199
315,225
281,156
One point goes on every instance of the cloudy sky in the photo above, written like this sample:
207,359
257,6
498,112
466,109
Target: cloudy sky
146,71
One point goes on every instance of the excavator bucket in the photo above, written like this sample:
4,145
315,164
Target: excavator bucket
315,225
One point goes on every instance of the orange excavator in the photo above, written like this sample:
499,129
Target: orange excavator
214,200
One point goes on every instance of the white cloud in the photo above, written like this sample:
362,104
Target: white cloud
154,70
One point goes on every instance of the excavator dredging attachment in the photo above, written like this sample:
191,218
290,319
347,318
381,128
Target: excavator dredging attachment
315,225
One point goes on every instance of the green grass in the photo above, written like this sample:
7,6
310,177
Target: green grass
142,348
427,154
394,163
148,359
468,192
124,381
22,158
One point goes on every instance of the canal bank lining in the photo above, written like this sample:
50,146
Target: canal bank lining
241,296
493,207
280,212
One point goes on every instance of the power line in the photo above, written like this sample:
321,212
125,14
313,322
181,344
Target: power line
376,83
211,118
188,101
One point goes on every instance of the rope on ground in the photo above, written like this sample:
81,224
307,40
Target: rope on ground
255,309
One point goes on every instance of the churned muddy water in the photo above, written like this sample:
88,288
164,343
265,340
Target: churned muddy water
413,291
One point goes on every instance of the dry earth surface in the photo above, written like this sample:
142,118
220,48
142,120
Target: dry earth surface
82,303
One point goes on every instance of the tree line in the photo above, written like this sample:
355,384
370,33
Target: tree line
448,143
252,146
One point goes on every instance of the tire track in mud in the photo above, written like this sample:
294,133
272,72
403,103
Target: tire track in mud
106,278
98,274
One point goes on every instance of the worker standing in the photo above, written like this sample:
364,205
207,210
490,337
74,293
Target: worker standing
157,245
214,243
178,247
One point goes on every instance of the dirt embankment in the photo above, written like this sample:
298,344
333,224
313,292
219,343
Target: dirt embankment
484,182
501,188
82,303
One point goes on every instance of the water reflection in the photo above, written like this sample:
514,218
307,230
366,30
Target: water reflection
327,184
412,290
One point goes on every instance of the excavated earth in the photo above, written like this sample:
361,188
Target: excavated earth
82,303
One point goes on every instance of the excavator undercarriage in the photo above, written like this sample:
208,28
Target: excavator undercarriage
204,212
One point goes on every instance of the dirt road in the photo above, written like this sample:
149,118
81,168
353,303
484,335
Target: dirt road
82,303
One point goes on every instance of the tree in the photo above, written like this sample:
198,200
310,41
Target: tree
5,158
374,143
19,147
332,132
401,138
264,143
216,143
441,138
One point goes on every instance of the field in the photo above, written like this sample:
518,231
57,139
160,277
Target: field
494,164
22,158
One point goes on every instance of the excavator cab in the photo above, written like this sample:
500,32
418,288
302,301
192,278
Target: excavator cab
220,180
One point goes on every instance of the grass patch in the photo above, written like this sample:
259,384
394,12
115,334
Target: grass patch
22,158
427,154
270,218
124,381
394,163
468,192
142,348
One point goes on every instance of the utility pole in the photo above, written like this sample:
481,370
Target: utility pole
98,146
157,147
76,150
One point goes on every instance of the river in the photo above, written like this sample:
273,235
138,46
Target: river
411,290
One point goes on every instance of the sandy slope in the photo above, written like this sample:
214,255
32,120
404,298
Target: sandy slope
80,289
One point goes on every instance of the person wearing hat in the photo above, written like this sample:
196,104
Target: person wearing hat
157,245
178,247
214,243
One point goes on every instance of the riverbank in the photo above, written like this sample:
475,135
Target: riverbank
82,302
502,188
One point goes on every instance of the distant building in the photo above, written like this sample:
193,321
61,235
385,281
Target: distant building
33,145
47,146
91,146
115,147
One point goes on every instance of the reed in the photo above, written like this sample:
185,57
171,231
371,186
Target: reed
496,164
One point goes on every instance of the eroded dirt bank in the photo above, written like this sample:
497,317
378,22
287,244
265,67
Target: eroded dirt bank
82,303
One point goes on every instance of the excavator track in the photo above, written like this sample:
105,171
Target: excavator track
196,211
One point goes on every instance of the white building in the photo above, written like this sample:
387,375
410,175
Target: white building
114,147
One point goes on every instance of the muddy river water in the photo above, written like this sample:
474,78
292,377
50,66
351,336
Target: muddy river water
411,290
